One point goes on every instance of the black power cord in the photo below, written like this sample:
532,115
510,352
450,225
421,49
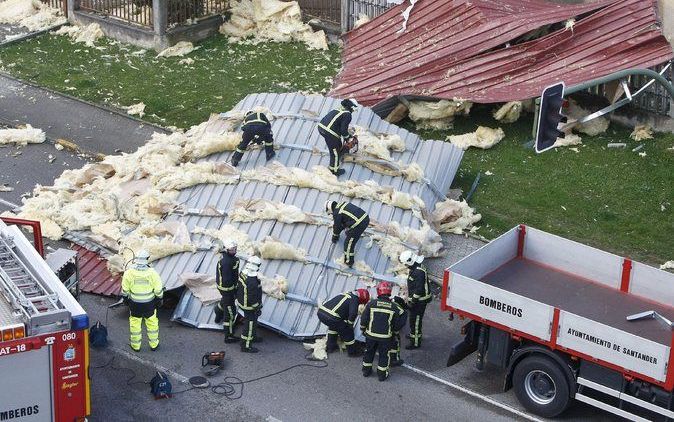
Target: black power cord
109,364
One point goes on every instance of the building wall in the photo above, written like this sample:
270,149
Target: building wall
667,16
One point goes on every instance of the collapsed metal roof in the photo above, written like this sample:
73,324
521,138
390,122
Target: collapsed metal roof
496,50
294,126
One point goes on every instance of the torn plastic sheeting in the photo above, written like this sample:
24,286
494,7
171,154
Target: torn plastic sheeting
202,287
406,15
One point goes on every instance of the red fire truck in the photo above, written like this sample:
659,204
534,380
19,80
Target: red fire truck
44,354
567,321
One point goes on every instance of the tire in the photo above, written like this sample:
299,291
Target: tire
541,386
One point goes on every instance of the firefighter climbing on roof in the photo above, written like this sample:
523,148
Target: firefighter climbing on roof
334,128
226,278
419,295
381,319
395,359
339,314
249,300
353,220
256,129
142,291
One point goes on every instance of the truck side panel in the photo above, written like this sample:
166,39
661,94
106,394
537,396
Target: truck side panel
651,283
516,312
26,393
498,252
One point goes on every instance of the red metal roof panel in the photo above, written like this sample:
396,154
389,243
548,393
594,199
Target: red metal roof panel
457,49
94,274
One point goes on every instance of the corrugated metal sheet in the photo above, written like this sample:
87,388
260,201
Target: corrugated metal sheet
295,124
94,275
458,49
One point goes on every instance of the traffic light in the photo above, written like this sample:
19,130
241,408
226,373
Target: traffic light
549,117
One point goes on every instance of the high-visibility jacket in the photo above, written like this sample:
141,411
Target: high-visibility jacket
248,292
227,274
418,285
347,216
382,318
142,286
336,123
255,119
343,307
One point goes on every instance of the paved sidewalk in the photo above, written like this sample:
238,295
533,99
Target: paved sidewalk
92,128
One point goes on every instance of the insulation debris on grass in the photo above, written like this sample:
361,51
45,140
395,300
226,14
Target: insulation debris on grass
182,48
453,216
22,136
437,115
32,14
136,109
483,137
88,34
255,21
509,112
570,139
592,127
642,133
188,61
669,265
362,20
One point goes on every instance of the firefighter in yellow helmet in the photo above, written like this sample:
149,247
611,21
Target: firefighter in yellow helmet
142,290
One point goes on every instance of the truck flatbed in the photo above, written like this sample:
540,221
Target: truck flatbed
580,296
7,315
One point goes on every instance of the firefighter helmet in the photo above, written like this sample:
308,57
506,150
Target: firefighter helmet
329,205
409,258
229,244
349,104
384,288
363,296
142,258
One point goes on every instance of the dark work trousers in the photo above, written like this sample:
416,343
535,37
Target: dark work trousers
334,149
352,237
416,322
225,311
337,328
395,348
256,135
249,326
382,347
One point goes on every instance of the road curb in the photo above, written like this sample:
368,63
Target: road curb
31,35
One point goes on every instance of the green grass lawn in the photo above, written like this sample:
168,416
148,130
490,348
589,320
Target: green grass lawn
610,198
175,94
613,199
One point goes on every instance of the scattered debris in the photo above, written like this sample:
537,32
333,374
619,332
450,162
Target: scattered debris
509,112
82,34
617,145
181,49
318,348
22,136
592,127
136,109
454,216
642,154
362,20
570,139
202,287
669,265
379,146
188,61
483,137
638,148
576,150
276,287
5,188
255,21
439,114
59,147
32,14
488,173
642,133
406,15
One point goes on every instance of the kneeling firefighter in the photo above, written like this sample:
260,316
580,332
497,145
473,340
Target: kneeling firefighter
334,128
419,289
226,277
351,219
142,291
381,319
249,300
339,314
257,129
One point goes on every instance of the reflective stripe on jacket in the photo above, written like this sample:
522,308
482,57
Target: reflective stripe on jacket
142,286
382,318
248,292
343,307
227,273
336,123
347,216
418,285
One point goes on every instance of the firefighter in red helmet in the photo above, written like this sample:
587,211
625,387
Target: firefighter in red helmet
381,319
339,314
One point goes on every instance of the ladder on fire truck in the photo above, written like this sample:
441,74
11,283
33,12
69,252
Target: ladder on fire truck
31,299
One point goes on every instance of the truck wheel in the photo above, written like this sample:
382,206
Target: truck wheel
541,387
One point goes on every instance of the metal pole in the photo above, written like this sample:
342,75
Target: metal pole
619,75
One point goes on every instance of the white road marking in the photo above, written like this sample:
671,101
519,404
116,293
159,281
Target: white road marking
472,393
136,358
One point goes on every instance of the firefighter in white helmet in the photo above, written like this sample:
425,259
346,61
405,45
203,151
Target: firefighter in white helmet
142,290
419,290
226,277
351,219
249,300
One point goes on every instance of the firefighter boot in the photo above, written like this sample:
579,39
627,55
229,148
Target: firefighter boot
232,339
339,172
367,371
397,362
412,346
219,314
383,375
270,155
354,351
249,349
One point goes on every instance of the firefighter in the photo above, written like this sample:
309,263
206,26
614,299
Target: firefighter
395,349
249,300
142,291
419,295
334,128
353,220
226,277
381,319
339,314
257,129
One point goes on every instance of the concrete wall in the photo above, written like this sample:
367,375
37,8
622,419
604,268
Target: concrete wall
666,9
